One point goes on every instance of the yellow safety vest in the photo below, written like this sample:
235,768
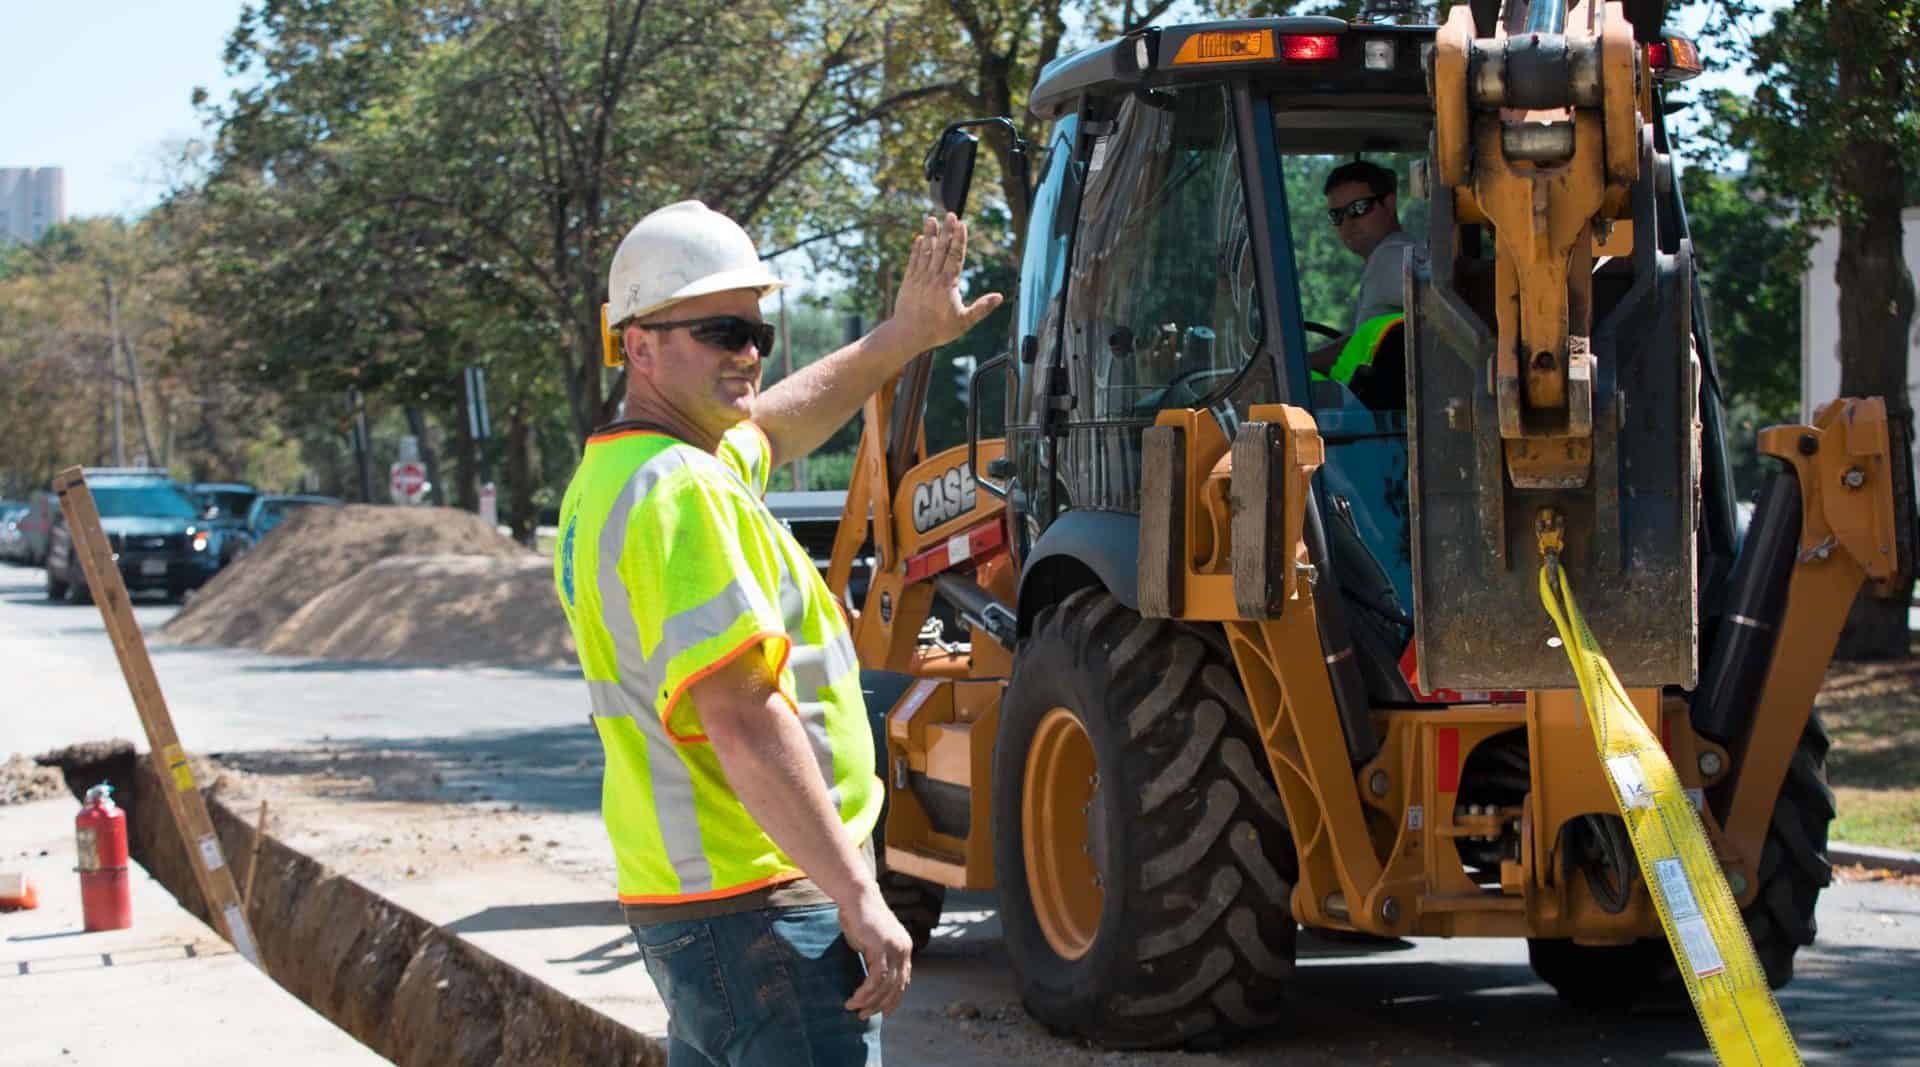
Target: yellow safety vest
1361,347
669,566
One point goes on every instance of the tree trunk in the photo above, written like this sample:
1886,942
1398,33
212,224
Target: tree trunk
586,386
1876,311
117,340
467,459
520,482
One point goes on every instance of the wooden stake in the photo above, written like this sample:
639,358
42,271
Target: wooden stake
253,860
189,809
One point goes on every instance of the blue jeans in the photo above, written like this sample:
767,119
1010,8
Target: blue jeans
760,989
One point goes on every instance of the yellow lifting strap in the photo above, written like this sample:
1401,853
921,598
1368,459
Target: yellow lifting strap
1702,919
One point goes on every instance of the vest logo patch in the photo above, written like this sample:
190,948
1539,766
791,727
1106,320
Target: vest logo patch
944,497
566,561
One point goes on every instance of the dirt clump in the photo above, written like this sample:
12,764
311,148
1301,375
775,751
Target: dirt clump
315,551
23,780
436,609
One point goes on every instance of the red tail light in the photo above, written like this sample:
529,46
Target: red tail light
1673,58
1309,48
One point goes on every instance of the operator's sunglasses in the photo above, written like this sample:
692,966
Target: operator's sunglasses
1351,210
729,332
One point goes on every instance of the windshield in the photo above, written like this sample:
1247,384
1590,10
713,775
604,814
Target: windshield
232,502
1162,303
273,512
159,500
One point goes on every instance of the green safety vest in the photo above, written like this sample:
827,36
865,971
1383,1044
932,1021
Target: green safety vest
1360,348
669,566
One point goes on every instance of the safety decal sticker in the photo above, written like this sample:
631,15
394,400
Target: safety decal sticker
210,854
1631,781
176,762
241,936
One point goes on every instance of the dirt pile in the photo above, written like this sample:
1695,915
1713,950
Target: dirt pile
436,609
23,780
427,585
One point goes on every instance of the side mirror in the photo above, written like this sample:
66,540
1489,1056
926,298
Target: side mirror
1000,470
950,170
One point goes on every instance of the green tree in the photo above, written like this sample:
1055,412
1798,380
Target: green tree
1833,128
1750,260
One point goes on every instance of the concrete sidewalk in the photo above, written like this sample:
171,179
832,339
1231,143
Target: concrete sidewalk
166,991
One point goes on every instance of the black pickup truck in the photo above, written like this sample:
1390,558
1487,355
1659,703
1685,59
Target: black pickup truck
157,534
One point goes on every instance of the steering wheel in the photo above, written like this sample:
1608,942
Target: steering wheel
1322,328
1188,389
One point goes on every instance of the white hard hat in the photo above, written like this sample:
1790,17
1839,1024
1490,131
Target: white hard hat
681,251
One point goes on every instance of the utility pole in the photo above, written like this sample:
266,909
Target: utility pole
479,428
119,437
798,468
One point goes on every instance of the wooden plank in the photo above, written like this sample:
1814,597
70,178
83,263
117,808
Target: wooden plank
189,809
1162,571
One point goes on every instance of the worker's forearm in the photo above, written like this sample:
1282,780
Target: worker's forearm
772,770
804,409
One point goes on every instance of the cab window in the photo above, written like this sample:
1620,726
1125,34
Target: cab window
1162,308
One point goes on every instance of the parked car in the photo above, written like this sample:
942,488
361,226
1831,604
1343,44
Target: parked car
13,544
156,533
224,506
270,511
37,524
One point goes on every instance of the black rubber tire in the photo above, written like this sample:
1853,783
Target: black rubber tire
76,586
1195,938
1793,871
916,903
1793,862
1605,979
56,589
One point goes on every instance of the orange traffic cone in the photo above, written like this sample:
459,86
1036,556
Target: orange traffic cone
17,892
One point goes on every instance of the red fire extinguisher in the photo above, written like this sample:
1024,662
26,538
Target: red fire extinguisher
106,898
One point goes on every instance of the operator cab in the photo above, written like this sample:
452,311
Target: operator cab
1179,255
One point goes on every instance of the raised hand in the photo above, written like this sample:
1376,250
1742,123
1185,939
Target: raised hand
929,307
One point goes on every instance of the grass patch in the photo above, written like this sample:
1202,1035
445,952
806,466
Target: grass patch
1887,818
1872,711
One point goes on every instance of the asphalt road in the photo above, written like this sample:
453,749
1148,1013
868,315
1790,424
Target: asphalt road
1856,997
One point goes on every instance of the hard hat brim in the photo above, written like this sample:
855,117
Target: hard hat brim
757,277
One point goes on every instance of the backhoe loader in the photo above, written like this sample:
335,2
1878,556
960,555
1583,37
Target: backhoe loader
1202,645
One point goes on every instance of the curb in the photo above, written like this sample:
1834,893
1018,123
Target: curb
1839,852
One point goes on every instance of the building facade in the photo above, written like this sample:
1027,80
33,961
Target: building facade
31,200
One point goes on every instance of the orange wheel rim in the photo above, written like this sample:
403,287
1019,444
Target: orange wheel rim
1056,797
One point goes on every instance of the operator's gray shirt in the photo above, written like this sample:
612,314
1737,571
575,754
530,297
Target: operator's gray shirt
1381,292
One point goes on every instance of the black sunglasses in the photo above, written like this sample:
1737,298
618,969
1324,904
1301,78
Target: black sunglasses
730,332
1352,209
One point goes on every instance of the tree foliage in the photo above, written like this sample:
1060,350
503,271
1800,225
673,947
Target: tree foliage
1833,132
93,313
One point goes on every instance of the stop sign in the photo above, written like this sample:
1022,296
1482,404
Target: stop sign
409,481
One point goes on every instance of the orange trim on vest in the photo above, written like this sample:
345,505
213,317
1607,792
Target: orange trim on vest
717,894
786,649
603,438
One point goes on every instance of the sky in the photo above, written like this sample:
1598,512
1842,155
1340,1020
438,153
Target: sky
104,89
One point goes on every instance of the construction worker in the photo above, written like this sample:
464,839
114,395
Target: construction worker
739,792
1363,208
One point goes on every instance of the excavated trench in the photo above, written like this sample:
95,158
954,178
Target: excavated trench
404,987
